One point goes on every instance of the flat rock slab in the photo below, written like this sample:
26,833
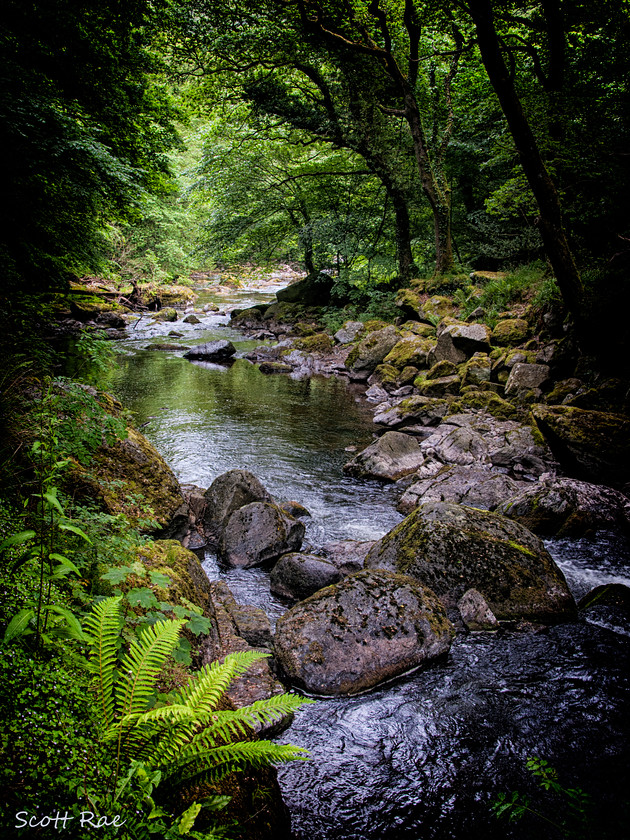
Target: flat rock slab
464,485
215,351
452,548
351,636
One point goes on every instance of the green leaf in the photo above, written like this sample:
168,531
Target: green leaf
18,624
159,579
17,539
198,624
180,612
64,526
182,652
142,597
53,501
64,563
117,574
75,631
188,818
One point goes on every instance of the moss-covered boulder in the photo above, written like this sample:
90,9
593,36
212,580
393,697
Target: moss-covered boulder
438,387
591,445
437,307
476,370
458,341
132,478
371,351
350,331
368,628
166,314
187,578
451,548
565,507
318,343
410,351
510,331
258,532
410,302
486,401
389,458
427,411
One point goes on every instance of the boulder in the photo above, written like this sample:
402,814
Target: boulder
477,370
428,411
371,351
410,351
389,458
437,306
440,387
464,485
526,379
459,341
296,576
510,331
368,628
349,332
452,548
258,532
313,290
229,492
191,319
215,351
166,314
347,555
593,445
475,612
566,507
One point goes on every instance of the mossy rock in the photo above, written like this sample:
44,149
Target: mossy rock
438,306
385,375
89,307
410,302
510,331
451,548
438,387
372,350
187,577
319,343
443,368
417,328
166,314
486,401
410,351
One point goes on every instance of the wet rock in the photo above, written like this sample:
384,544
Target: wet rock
294,509
609,595
216,351
348,555
274,367
114,320
187,578
389,458
425,410
463,485
368,628
258,532
166,314
165,346
452,548
229,492
191,319
313,290
593,445
252,624
525,379
510,331
475,612
350,331
370,351
296,576
566,507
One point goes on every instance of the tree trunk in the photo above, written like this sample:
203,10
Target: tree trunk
406,266
551,227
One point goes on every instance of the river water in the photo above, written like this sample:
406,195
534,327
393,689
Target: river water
423,757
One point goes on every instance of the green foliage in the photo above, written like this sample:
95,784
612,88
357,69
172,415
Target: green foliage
567,809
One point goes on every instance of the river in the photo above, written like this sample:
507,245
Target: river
423,757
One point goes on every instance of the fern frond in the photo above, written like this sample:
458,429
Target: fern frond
205,688
102,630
143,663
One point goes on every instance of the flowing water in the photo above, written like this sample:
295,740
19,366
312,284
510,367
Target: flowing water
425,756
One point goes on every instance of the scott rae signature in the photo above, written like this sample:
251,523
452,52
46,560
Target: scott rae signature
86,820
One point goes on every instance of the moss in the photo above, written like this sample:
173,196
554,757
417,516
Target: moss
486,401
375,324
510,331
409,351
319,343
187,578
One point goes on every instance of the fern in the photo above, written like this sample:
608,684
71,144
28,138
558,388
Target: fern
102,631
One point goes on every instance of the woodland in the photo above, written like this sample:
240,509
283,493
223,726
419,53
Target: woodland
390,144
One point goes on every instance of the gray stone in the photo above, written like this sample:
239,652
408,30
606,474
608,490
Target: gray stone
458,342
475,612
428,411
368,628
389,458
567,507
347,555
258,532
524,377
217,351
452,548
370,352
229,492
349,331
313,290
300,575
464,485
191,319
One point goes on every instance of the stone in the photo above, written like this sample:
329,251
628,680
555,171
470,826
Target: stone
464,485
294,509
165,346
216,351
410,351
475,612
257,533
565,507
389,458
187,578
313,290
252,624
347,555
296,576
350,331
451,548
371,351
477,370
269,368
111,319
368,628
166,314
437,307
459,341
590,445
229,492
440,369
439,387
416,409
409,302
510,331
191,319
524,378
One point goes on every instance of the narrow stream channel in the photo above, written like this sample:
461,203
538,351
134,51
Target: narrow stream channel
424,757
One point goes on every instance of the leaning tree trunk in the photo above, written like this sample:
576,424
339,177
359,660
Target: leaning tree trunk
551,227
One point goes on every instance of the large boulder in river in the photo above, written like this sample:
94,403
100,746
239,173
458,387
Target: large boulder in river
257,533
313,290
565,507
389,458
368,628
300,575
229,492
593,445
212,351
364,358
476,487
452,548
